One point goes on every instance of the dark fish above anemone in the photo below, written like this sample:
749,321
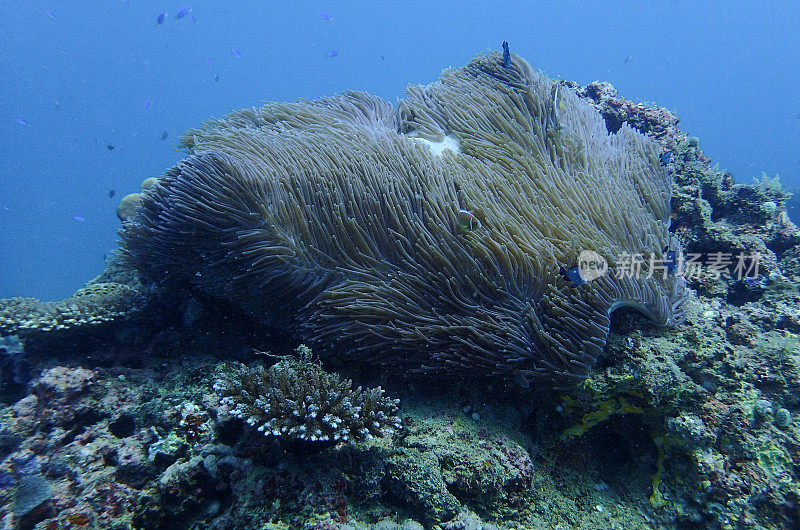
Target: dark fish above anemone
439,236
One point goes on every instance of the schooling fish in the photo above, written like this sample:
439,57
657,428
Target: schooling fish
110,147
236,53
333,53
164,135
666,158
506,55
79,218
161,17
183,12
111,194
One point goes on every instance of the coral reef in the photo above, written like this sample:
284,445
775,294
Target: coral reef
296,399
94,304
130,424
434,236
112,448
656,122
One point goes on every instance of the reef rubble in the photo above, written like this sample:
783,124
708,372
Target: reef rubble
110,411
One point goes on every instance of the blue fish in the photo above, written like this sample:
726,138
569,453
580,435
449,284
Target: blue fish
506,55
22,121
333,53
161,17
79,218
325,16
666,158
236,53
147,104
216,78
50,14
670,261
573,275
182,12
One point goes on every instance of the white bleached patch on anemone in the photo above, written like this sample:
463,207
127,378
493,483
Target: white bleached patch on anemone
448,143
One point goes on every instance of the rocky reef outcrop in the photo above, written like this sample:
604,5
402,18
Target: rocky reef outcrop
107,421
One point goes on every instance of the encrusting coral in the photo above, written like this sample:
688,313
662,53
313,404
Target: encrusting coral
435,235
296,400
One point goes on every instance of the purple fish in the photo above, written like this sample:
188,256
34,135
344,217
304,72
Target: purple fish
50,14
147,104
236,53
182,12
22,121
79,218
325,16
333,53
6,208
216,78
161,17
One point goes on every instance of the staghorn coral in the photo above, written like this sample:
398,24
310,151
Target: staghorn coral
295,399
95,303
431,235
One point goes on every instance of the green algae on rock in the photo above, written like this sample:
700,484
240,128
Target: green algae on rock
343,220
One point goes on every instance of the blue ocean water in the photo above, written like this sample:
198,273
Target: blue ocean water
89,89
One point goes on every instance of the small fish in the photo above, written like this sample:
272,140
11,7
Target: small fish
467,221
506,55
79,218
22,121
110,147
573,275
6,208
326,16
164,135
670,261
111,194
182,12
236,53
161,17
627,60
333,53
521,380
147,104
50,14
383,58
208,62
216,78
666,158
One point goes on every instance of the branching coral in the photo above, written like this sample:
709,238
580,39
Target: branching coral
296,399
433,235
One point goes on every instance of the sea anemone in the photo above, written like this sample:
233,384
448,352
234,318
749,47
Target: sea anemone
436,235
